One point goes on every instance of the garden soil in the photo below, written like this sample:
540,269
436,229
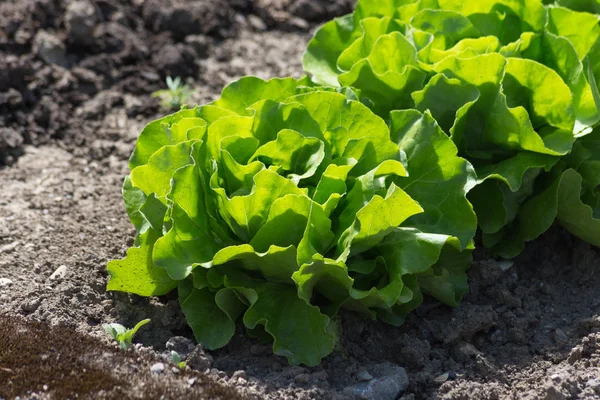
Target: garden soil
76,79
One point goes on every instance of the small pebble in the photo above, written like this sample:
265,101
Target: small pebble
31,305
442,378
447,376
49,48
7,248
257,23
240,374
389,382
505,265
364,375
5,282
60,273
593,383
157,368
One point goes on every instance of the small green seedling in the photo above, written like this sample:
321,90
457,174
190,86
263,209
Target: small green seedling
123,335
176,94
177,360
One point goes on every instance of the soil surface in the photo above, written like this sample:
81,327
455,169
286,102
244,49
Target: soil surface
76,79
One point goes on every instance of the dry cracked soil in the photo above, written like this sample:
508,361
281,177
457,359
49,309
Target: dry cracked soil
76,79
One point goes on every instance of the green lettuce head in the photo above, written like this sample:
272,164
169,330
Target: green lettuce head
514,83
279,203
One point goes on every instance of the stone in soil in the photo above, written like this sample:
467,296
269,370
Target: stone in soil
157,368
49,48
59,273
4,282
390,382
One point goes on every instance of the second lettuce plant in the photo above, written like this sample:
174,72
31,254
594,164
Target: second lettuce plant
513,83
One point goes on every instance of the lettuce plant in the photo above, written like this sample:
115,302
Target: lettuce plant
280,203
513,83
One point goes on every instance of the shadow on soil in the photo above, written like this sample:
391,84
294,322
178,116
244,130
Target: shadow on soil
65,364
